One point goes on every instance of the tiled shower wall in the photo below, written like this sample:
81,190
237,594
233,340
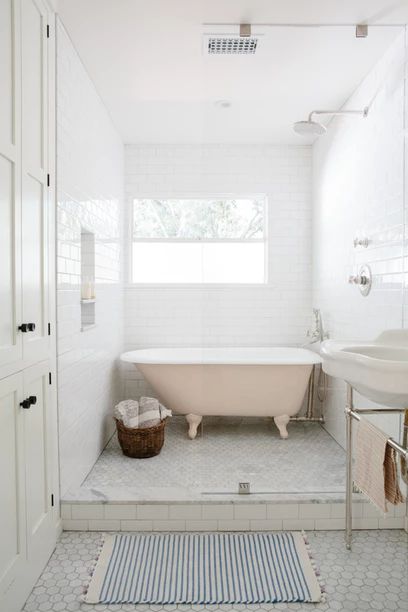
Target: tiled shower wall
272,314
358,170
90,196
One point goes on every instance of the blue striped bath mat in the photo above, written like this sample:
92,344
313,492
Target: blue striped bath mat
211,568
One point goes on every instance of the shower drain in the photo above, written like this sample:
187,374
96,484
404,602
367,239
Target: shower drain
244,488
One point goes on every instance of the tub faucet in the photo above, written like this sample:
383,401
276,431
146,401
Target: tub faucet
317,334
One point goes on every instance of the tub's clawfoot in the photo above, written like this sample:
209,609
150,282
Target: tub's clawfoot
193,421
281,422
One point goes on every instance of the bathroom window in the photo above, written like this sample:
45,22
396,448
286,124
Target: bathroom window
199,240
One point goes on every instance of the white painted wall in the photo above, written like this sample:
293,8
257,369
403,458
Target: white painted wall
277,313
90,194
358,191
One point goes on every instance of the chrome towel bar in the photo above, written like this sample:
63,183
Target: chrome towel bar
352,413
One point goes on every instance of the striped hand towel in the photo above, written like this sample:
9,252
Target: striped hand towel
376,467
392,491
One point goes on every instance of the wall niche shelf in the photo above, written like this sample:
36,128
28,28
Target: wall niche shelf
87,279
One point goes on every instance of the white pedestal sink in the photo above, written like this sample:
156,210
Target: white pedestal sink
377,370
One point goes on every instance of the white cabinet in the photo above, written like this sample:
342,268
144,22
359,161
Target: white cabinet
38,451
24,190
27,525
34,152
10,187
28,423
13,549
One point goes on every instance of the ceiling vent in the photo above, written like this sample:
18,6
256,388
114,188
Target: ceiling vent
239,40
231,45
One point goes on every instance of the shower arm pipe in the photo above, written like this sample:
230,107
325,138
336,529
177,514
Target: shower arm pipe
362,113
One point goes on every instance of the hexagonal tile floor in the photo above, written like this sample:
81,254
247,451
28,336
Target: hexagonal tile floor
373,576
229,451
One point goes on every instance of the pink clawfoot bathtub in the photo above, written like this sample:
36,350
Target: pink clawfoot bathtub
198,382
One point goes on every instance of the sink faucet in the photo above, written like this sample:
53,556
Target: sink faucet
317,334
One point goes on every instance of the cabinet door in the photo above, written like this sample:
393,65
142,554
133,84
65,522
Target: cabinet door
10,193
34,180
38,469
12,481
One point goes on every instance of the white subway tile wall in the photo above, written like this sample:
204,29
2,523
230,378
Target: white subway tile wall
277,313
90,195
358,187
253,516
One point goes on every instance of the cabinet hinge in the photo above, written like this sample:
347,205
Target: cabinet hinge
48,180
52,499
48,31
49,329
49,378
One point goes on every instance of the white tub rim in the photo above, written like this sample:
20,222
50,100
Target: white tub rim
274,355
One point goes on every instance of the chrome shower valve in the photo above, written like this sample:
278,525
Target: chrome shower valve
363,279
361,242
360,279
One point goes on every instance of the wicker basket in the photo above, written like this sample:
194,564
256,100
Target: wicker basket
141,443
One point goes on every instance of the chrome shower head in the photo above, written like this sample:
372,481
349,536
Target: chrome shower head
309,128
314,128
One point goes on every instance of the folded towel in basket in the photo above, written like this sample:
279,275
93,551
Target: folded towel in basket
376,466
147,412
127,412
151,412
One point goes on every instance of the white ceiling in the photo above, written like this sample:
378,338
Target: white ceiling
146,60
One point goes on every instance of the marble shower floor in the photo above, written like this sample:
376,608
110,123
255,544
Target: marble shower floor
308,465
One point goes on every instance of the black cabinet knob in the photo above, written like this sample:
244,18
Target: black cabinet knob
29,401
26,327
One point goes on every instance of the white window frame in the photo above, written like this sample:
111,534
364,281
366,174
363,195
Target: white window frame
195,196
